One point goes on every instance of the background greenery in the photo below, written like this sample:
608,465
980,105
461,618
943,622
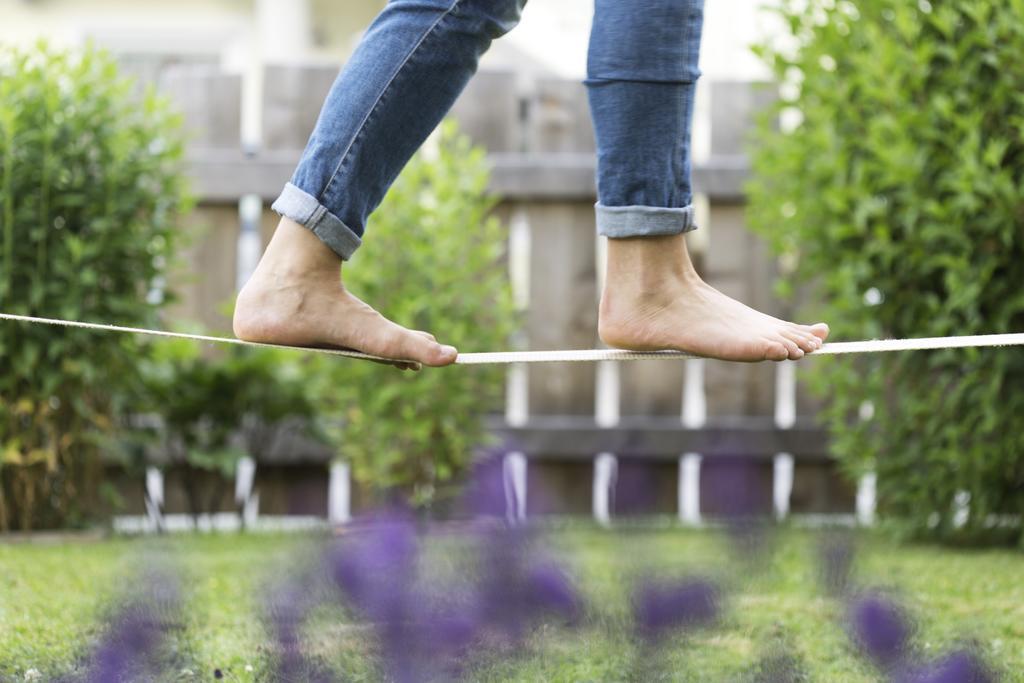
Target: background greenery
51,597
435,263
200,410
91,188
898,200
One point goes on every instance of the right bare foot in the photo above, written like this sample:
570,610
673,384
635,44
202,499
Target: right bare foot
654,300
296,298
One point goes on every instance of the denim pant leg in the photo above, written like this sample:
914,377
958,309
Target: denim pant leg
642,73
404,76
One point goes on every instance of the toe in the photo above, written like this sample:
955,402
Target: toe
416,347
820,330
795,352
775,350
806,342
810,343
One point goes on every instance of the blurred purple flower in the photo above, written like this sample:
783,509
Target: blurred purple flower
960,666
137,631
550,590
288,606
376,567
737,491
835,555
133,638
663,606
881,629
516,586
638,484
451,630
422,632
485,493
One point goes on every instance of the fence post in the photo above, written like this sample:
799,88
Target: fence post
785,418
245,476
339,494
517,382
866,501
514,475
606,414
694,416
606,470
155,497
689,489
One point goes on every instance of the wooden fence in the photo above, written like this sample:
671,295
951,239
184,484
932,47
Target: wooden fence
585,433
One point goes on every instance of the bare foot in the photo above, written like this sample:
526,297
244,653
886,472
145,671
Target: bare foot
653,300
296,298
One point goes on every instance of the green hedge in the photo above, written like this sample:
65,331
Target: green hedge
91,185
897,199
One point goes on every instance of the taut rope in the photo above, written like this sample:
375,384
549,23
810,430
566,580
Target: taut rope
568,356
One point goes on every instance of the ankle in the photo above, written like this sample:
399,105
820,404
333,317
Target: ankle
295,252
649,266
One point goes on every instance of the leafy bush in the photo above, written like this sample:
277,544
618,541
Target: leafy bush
91,184
215,409
899,196
433,261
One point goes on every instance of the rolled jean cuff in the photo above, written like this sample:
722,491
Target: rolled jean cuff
303,208
643,221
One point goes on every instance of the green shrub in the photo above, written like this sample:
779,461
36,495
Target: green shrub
900,198
213,410
91,185
432,261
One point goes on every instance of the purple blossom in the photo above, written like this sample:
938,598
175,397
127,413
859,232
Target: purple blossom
137,632
377,566
663,606
738,492
132,640
422,631
549,589
450,629
881,629
517,586
960,666
288,608
636,486
485,494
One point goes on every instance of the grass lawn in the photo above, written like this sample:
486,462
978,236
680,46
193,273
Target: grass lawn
53,597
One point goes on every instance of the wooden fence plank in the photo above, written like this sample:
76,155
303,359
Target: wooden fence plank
559,118
205,278
210,102
563,309
292,99
489,111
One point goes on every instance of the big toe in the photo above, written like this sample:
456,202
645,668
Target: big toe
775,350
423,349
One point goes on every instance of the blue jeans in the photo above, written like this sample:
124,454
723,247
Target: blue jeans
418,55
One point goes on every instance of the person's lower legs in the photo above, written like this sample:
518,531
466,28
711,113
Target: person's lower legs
408,70
642,74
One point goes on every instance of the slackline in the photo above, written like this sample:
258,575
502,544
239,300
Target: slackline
568,356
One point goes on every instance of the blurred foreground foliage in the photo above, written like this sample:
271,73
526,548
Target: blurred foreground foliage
91,189
435,262
897,191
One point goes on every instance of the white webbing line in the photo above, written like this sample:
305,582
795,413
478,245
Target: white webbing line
578,356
